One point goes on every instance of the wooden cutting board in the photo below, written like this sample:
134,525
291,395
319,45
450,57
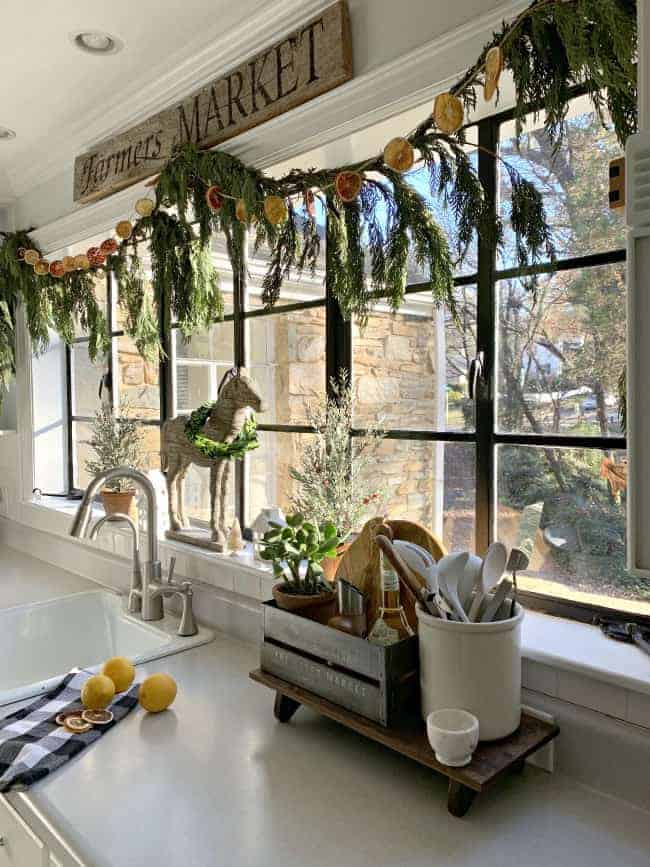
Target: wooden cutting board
360,563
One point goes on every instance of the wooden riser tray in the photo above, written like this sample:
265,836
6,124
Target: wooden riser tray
490,761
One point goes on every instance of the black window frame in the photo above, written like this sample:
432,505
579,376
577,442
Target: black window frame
339,355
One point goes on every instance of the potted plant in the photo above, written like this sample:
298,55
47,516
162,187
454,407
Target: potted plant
335,474
116,441
296,553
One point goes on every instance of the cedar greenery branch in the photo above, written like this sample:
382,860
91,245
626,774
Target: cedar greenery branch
548,49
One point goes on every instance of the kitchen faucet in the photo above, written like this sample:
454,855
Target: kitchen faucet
134,604
152,589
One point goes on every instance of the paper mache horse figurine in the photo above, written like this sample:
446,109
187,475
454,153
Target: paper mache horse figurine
211,437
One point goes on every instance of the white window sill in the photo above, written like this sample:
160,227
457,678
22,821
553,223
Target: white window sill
562,658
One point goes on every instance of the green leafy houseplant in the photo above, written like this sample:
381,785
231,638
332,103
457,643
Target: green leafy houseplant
296,553
117,441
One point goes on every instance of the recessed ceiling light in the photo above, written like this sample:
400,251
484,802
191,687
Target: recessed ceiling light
96,42
6,133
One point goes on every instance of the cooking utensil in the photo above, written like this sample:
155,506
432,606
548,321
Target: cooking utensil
412,552
450,570
491,571
517,562
423,563
468,580
494,604
408,579
351,599
352,610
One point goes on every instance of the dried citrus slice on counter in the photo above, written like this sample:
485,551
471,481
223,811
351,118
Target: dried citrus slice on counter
77,725
157,692
97,692
60,718
121,672
98,717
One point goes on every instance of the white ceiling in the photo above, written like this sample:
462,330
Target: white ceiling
49,88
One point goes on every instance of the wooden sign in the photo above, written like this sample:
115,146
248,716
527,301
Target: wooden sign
315,58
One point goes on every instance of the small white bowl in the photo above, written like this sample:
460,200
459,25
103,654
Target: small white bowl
453,735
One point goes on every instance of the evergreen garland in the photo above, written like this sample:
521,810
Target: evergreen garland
552,46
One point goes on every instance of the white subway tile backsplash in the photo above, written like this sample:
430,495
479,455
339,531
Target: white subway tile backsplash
595,694
540,677
638,709
249,584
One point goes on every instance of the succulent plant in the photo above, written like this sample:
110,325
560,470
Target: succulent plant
296,552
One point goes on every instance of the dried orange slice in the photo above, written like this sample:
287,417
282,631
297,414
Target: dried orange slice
213,196
275,209
124,229
57,268
448,113
493,67
399,154
348,185
42,267
241,211
97,717
144,207
31,257
107,247
77,725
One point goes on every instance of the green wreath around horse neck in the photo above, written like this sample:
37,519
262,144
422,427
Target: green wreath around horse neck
245,441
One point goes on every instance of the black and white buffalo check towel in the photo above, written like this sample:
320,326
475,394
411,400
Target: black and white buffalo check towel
32,745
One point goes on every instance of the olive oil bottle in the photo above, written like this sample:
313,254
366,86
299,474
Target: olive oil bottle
391,624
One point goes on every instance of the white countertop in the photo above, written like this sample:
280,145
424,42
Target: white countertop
217,781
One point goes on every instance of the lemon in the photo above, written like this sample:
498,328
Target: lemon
97,692
121,672
157,692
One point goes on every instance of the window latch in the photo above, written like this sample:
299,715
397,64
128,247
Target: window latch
476,373
105,384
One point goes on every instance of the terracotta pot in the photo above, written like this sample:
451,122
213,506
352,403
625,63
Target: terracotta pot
319,606
331,564
119,501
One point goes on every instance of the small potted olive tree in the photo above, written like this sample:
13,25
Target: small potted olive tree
116,441
296,553
336,475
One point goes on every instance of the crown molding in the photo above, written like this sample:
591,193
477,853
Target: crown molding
393,88
163,86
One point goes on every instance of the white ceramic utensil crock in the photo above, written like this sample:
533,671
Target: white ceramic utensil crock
453,735
475,666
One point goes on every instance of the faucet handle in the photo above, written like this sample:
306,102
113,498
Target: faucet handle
170,570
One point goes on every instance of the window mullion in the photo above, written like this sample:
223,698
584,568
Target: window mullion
338,331
488,131
240,352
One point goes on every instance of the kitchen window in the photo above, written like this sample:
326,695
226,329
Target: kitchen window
535,451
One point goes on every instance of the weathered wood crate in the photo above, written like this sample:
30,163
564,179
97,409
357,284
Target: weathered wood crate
380,683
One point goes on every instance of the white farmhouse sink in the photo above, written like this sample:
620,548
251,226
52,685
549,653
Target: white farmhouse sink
42,641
